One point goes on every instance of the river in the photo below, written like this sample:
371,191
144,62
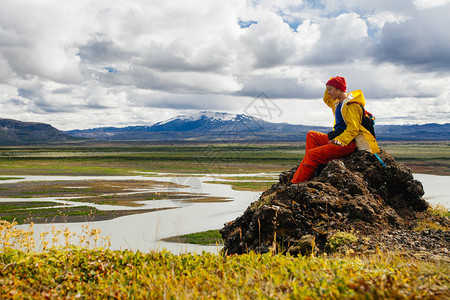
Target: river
145,231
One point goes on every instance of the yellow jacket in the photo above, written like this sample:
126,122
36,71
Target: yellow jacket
352,115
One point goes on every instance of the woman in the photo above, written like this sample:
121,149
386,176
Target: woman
348,133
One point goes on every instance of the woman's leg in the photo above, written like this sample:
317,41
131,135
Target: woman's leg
320,155
315,139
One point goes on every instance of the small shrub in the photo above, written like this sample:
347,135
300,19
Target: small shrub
12,237
438,210
435,220
427,224
339,240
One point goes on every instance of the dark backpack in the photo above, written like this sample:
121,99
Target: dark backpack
368,120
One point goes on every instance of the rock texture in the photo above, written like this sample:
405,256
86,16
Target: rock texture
356,194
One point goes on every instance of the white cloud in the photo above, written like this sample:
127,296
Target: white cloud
43,40
113,63
342,40
424,4
420,42
269,42
400,111
380,19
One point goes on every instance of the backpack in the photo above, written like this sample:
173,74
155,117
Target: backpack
368,120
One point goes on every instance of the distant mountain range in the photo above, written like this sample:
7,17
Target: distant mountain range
14,132
215,126
203,126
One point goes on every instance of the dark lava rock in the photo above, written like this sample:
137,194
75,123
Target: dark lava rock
353,194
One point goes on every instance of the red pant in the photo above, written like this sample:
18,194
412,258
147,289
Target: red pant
319,151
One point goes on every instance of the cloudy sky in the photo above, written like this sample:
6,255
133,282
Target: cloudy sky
89,63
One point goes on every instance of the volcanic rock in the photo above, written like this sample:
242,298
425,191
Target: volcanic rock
354,194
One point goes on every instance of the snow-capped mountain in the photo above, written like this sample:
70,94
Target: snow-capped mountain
206,121
202,126
212,116
220,127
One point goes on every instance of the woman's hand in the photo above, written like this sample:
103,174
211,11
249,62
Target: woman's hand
336,142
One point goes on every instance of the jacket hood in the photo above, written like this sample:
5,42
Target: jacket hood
356,97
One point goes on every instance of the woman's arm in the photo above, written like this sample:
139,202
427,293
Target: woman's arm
328,100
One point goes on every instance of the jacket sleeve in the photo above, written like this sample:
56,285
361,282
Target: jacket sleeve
353,120
328,100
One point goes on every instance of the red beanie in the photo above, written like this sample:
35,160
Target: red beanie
338,82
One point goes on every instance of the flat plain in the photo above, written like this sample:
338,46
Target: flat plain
124,158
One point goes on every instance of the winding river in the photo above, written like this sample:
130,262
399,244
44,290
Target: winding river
145,231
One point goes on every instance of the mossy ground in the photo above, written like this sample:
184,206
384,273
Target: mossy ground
209,237
247,186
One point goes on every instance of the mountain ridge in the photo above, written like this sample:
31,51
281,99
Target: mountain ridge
13,132
217,126
204,126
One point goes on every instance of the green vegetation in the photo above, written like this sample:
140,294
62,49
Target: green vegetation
101,274
247,186
10,178
210,237
121,158
21,205
23,214
72,269
118,158
63,270
421,157
434,221
339,240
439,210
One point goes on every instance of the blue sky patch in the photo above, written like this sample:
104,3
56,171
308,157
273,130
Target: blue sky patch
111,70
246,24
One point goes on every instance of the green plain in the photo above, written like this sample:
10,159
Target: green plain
126,158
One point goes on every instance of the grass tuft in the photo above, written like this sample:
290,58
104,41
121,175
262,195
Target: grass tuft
210,237
339,240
